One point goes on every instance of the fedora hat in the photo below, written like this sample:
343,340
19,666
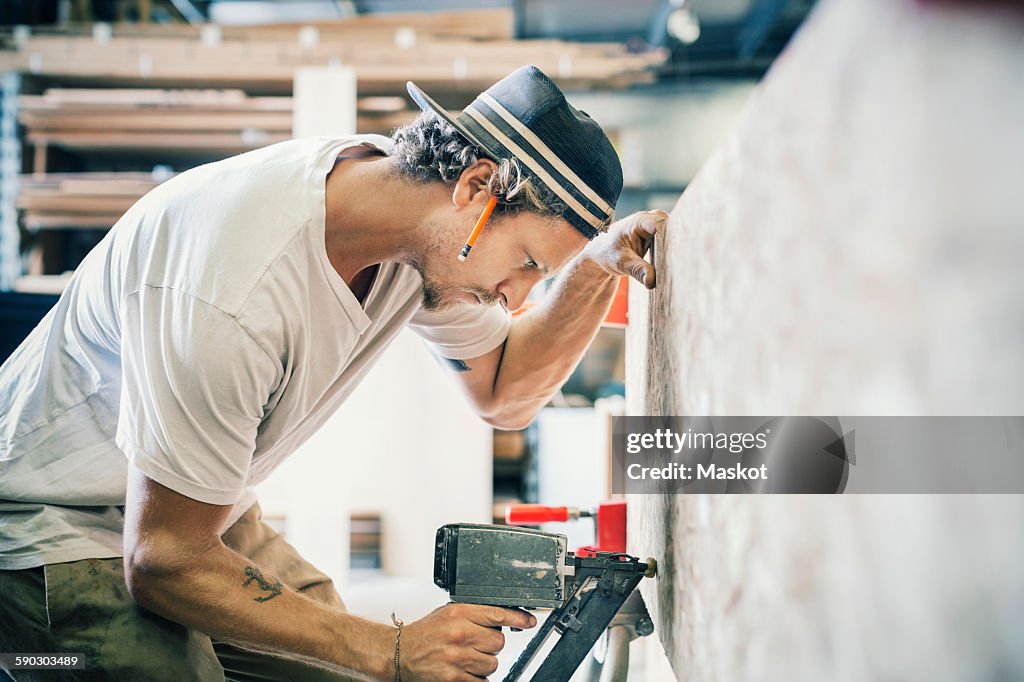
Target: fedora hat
525,116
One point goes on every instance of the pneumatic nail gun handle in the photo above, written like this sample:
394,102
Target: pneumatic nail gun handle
602,584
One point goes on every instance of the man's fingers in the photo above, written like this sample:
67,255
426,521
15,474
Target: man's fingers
651,221
489,640
647,225
498,616
642,231
640,270
482,664
641,242
459,641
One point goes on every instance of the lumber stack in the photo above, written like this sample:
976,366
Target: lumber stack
443,54
151,123
223,122
181,95
216,122
80,200
477,24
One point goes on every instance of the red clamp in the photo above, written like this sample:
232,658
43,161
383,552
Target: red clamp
611,522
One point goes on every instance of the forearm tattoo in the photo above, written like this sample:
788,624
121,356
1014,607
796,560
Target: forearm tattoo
253,573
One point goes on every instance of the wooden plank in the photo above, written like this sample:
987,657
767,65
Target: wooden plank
266,82
138,137
64,101
478,24
122,187
79,200
150,141
382,105
851,248
70,203
460,65
109,97
156,120
42,284
54,180
39,156
92,99
69,221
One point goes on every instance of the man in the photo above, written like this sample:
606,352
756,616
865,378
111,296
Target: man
222,321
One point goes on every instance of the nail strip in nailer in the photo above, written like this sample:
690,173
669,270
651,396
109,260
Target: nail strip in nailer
479,227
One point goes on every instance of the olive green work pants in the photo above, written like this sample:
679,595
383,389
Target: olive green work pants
84,607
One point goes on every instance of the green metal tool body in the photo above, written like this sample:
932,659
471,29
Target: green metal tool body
508,566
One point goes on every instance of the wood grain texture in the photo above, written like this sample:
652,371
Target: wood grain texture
852,247
498,23
267,62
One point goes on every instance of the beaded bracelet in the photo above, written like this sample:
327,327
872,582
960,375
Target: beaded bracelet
398,643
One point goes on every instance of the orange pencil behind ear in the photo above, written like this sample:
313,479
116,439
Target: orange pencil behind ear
479,227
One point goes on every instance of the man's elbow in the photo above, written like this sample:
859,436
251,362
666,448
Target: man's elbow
148,572
142,576
138,581
502,424
509,418
512,410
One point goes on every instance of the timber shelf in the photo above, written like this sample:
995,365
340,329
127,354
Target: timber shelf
131,97
266,61
153,122
80,200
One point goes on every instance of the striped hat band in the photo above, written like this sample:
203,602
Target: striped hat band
526,117
497,130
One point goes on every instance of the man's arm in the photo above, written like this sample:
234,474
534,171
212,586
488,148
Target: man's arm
510,384
177,567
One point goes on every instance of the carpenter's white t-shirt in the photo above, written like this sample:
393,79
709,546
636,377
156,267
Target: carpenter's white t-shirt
203,340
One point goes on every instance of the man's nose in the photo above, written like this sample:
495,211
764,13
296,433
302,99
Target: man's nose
515,293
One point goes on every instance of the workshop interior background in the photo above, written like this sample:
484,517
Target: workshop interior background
848,242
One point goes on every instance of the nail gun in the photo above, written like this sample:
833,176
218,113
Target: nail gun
520,567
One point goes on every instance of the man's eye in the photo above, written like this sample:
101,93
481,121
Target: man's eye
530,263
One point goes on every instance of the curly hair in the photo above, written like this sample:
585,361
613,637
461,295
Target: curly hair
430,149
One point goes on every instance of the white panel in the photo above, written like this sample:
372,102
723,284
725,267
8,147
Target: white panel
571,470
324,101
406,444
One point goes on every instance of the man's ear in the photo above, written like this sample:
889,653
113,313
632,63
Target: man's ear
472,184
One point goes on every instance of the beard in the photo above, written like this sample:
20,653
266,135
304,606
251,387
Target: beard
437,294
438,297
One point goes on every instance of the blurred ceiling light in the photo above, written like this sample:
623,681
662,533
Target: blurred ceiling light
682,25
